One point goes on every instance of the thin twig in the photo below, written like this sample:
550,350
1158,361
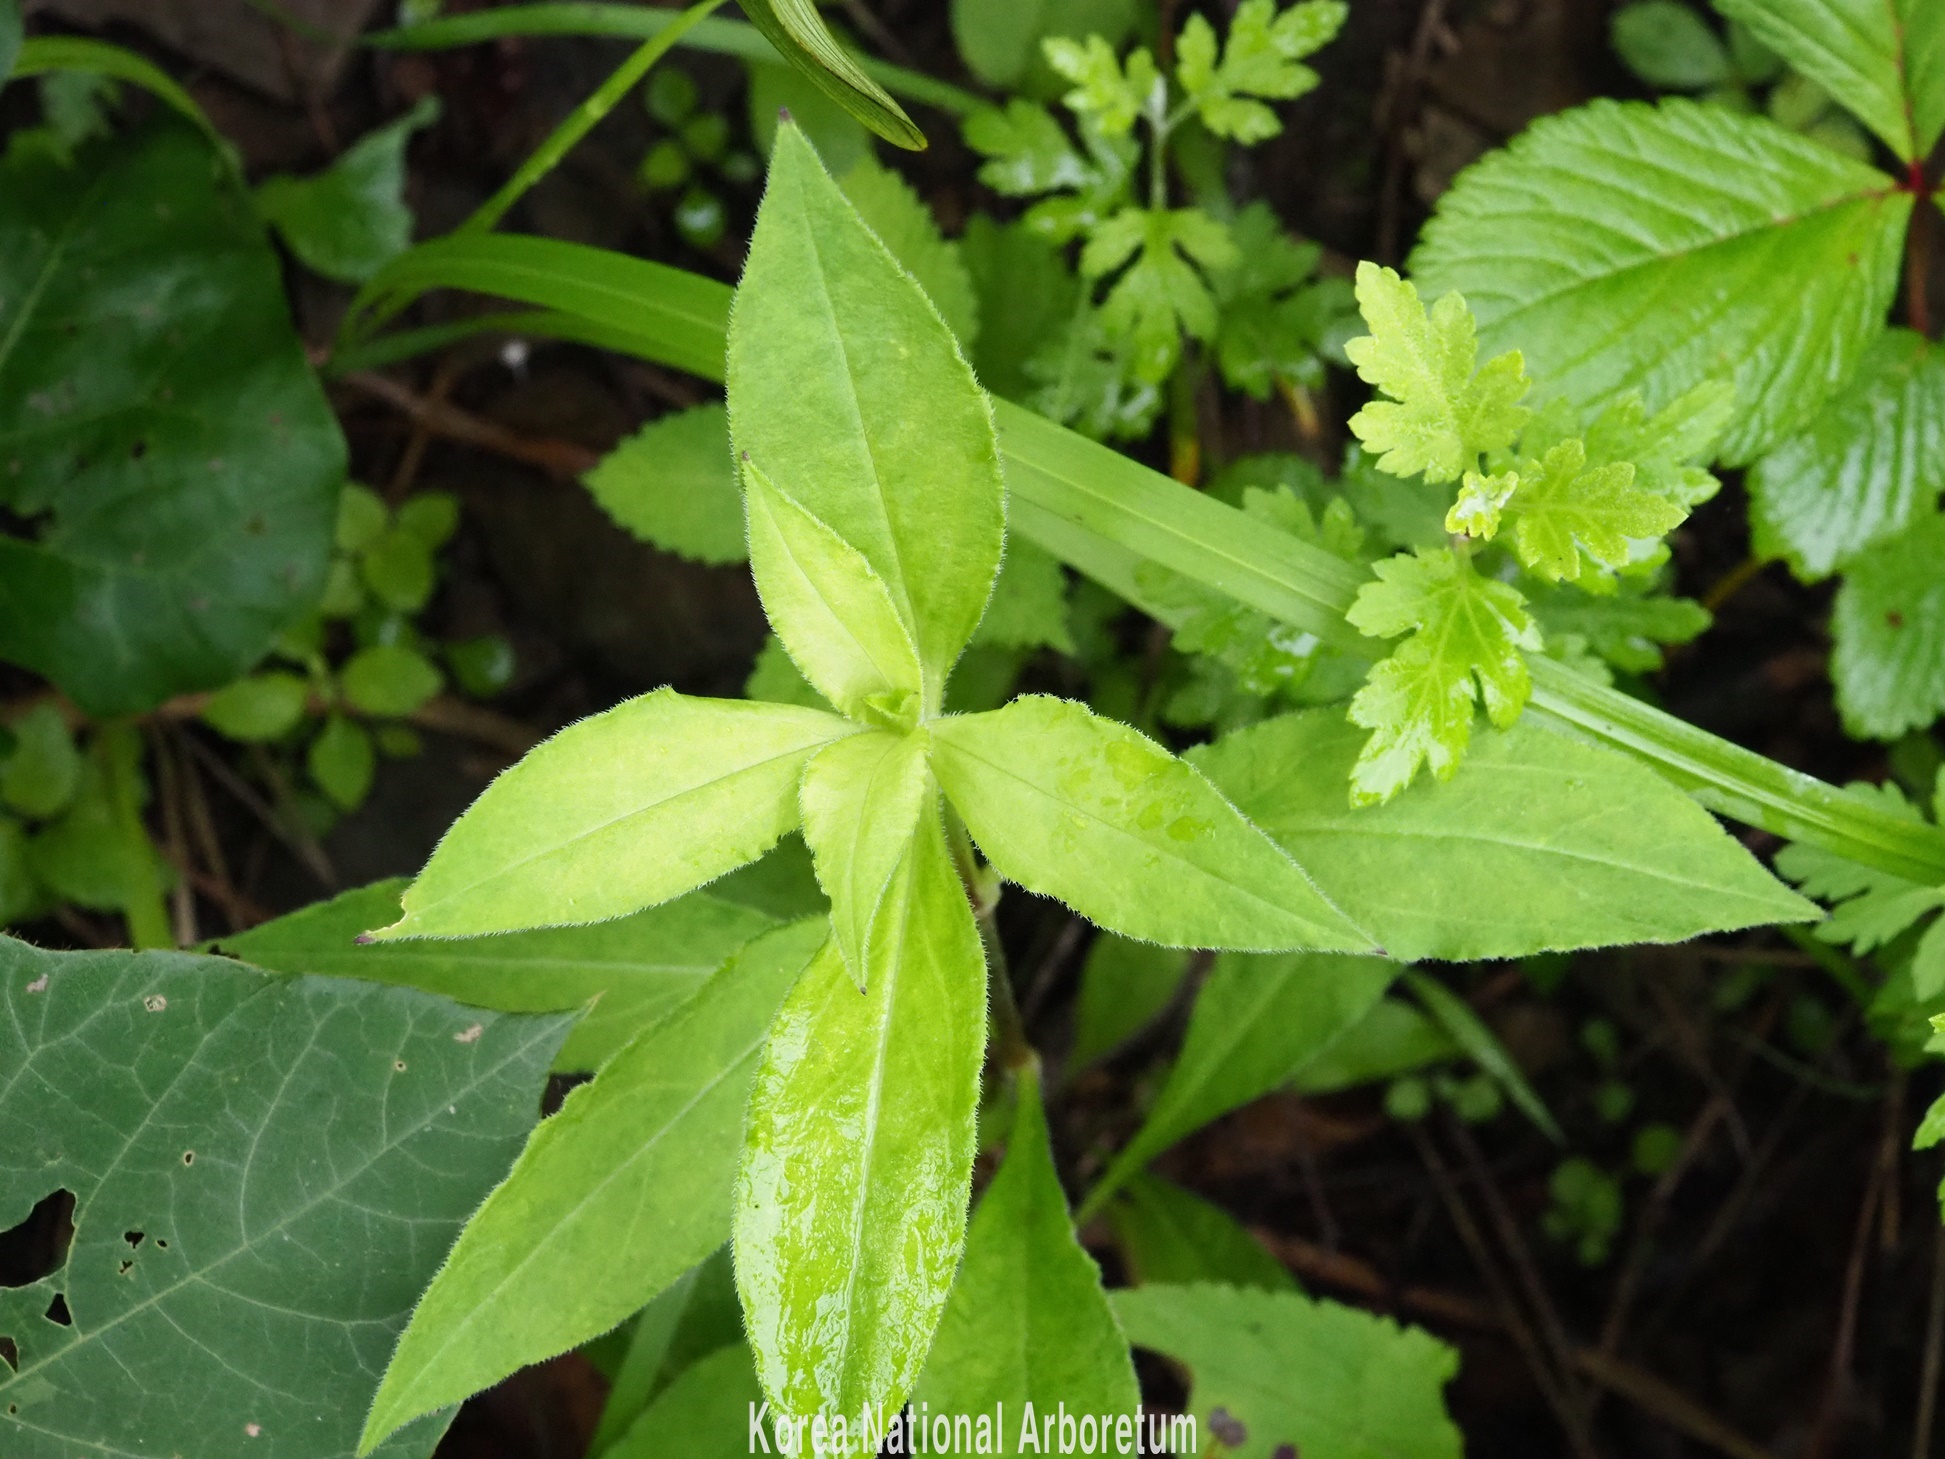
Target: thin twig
1928,1371
1628,1283
182,896
257,806
1064,943
1836,1389
558,458
1550,1383
1528,1273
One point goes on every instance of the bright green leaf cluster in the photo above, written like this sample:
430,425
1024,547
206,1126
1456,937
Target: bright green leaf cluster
875,535
1262,58
1584,505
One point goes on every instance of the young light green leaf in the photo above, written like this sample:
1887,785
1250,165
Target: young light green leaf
893,211
673,483
1262,58
1627,627
1668,45
796,29
265,1170
613,1199
1160,296
862,799
1467,632
830,610
623,810
1256,1022
1883,59
38,779
857,1161
1171,1236
1073,806
1670,449
1869,464
1889,626
1124,985
1480,503
829,344
1765,253
258,707
350,220
1475,868
1442,414
389,679
708,1405
1317,1378
1027,1323
1565,508
635,969
1107,92
343,762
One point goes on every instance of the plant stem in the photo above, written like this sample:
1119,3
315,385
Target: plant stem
982,884
1106,514
583,118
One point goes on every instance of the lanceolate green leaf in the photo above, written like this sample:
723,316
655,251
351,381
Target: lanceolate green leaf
1539,842
1074,806
634,969
265,1171
796,29
832,612
1889,623
182,488
830,346
621,811
1324,1380
1028,1325
1867,466
1622,246
708,1406
857,1165
1256,1022
862,799
1173,1236
1884,59
613,1199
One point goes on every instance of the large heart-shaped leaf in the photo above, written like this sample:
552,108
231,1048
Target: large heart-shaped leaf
159,425
265,1172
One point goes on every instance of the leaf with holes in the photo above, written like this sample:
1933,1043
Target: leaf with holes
265,1172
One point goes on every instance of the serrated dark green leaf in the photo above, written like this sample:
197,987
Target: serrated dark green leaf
1889,627
634,969
1869,464
1761,252
182,486
1883,59
1323,1379
266,1172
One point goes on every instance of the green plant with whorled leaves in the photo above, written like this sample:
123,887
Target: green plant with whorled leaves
876,531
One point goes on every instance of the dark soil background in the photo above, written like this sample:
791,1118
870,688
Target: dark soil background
1773,1294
